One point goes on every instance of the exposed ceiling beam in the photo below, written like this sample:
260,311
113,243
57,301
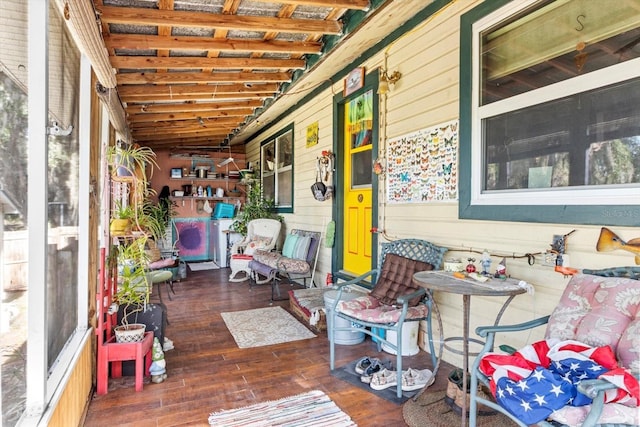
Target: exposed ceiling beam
170,90
159,117
198,98
181,62
155,17
347,4
210,106
186,77
146,42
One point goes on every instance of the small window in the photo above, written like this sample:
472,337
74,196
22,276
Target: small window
550,115
276,158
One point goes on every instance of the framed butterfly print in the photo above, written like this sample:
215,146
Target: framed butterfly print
425,165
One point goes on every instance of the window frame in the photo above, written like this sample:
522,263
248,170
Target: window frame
610,205
274,139
44,386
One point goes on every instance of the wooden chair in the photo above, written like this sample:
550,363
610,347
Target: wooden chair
262,234
109,351
594,310
394,300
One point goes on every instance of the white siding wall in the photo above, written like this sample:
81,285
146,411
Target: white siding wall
427,95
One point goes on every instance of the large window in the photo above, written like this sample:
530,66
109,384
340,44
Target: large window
43,246
550,111
276,160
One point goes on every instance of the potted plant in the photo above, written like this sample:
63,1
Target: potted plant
133,288
131,160
122,217
255,207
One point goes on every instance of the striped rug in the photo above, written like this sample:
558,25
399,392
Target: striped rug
312,409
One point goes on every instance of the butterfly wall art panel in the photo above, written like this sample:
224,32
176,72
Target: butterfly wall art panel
422,166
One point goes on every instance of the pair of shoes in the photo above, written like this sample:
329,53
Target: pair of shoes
364,363
415,379
375,366
383,379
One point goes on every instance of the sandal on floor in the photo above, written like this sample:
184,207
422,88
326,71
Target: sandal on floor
415,379
383,379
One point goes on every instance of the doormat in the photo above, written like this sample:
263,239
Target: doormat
431,409
311,409
348,373
265,326
200,266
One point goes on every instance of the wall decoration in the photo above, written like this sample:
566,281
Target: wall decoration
422,166
192,235
359,120
312,134
353,81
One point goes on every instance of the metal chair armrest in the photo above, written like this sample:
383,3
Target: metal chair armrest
484,331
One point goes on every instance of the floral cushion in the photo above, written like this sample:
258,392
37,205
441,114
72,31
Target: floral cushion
370,309
279,262
601,311
258,242
267,258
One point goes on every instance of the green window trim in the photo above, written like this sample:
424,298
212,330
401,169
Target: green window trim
276,164
596,214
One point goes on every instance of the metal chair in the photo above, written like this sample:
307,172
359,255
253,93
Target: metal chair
594,310
393,301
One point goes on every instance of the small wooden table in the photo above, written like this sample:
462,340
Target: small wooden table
445,282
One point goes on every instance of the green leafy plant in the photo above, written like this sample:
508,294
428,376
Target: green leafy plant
130,159
133,288
255,207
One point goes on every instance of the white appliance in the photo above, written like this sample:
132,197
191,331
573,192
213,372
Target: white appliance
218,243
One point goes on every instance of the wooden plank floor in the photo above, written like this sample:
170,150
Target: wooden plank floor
207,371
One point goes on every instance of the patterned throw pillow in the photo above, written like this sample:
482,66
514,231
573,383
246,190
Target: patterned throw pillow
258,242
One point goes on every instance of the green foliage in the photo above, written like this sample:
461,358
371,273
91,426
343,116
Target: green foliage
255,207
155,218
132,158
133,288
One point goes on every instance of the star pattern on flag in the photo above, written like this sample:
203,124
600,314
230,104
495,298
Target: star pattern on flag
543,377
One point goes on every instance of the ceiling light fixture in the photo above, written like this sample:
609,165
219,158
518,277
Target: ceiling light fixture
386,80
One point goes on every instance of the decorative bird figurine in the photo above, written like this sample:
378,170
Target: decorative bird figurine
610,241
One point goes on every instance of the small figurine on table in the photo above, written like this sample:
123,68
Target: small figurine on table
501,270
486,263
471,268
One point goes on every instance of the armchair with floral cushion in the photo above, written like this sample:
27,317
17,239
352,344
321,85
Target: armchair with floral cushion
584,373
262,234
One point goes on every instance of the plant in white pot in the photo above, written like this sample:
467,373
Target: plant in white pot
133,287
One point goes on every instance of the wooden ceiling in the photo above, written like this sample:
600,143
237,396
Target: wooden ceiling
196,72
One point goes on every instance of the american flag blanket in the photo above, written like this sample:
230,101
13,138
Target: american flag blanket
543,377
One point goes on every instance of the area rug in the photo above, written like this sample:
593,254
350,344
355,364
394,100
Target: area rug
200,266
309,409
348,373
431,410
264,326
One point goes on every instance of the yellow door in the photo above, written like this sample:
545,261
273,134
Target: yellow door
357,183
